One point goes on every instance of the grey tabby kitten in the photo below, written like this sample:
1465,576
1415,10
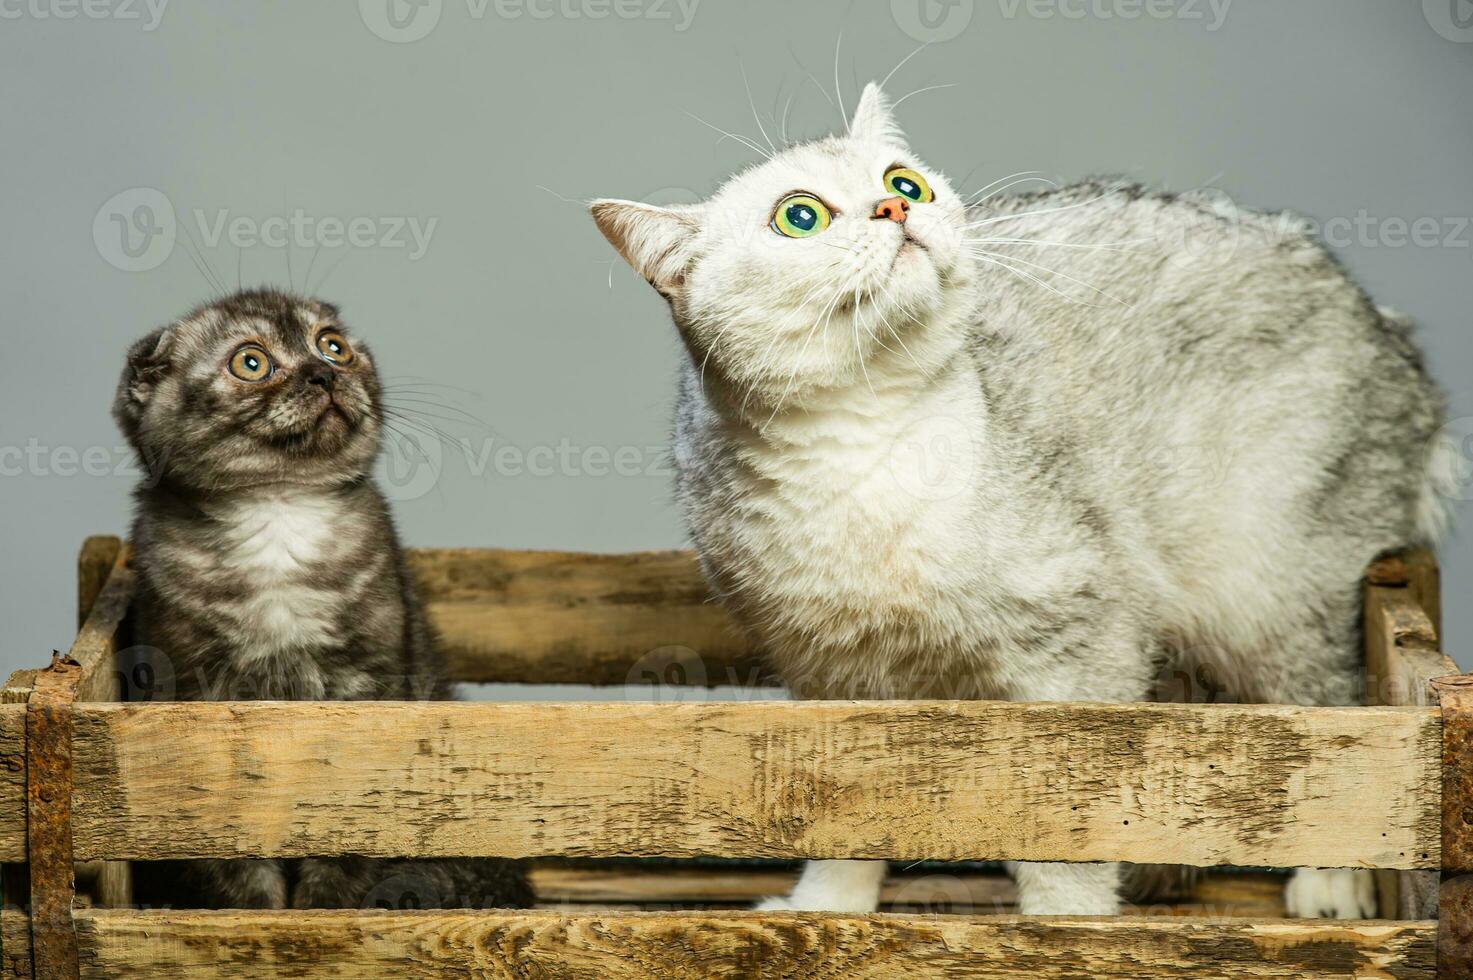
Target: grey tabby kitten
1028,449
268,565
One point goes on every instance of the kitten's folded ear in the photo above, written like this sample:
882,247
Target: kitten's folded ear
873,119
655,241
148,362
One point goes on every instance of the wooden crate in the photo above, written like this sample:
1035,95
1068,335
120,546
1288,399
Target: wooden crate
582,788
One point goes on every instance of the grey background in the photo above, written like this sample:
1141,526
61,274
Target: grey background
1333,107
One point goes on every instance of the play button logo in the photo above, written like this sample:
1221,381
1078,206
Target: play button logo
1452,19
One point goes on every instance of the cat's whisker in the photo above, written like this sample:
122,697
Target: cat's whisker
839,92
753,105
973,202
1031,214
783,126
886,80
1034,279
1102,246
749,143
1002,180
822,318
929,88
1056,272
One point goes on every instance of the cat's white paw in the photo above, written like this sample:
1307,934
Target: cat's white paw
1331,893
800,901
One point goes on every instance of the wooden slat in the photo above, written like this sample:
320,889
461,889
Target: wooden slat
178,945
1402,655
974,892
1401,649
105,883
945,780
12,783
552,617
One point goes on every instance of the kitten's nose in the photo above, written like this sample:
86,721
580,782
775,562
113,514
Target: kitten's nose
319,374
894,208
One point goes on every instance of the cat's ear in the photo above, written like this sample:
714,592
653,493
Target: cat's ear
148,363
655,241
873,119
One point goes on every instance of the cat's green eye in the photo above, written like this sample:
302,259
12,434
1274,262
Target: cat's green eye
251,363
908,184
800,215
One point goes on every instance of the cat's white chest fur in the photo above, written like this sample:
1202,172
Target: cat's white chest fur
856,515
274,543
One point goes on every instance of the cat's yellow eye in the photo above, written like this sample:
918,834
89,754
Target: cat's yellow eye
800,216
251,363
333,346
908,184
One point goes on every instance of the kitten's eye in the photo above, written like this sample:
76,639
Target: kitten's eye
800,215
909,184
251,364
333,347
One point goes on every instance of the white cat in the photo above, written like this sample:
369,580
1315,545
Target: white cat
1029,449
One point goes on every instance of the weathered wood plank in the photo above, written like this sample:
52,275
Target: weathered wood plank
12,782
553,617
1402,655
1401,649
946,780
177,945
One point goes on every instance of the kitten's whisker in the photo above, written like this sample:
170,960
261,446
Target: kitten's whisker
307,278
429,403
784,124
329,273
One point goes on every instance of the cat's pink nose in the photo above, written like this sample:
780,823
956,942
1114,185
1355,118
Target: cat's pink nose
894,208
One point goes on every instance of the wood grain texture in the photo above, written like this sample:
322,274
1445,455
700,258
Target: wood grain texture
551,617
947,780
12,782
1402,652
1402,655
177,945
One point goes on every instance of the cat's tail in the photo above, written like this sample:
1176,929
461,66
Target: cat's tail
1148,884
